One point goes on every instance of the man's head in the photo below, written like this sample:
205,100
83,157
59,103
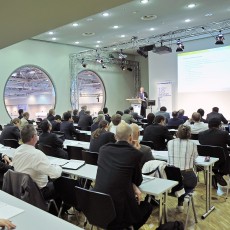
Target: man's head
150,118
29,135
20,111
131,109
26,115
66,116
181,112
100,117
16,122
215,109
119,112
201,112
51,112
142,89
57,118
196,117
45,126
159,120
214,123
84,107
100,112
87,112
124,133
105,110
175,114
126,111
116,119
75,111
184,132
135,130
163,108
103,124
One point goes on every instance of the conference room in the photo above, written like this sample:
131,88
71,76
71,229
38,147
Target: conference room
86,54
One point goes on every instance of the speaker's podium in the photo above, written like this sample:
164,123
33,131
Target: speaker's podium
136,104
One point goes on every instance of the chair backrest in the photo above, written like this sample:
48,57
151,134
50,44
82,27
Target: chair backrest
65,188
97,207
90,157
47,149
59,134
13,143
148,143
195,136
23,187
174,173
172,126
74,152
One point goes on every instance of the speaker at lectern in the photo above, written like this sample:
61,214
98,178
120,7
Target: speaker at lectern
136,104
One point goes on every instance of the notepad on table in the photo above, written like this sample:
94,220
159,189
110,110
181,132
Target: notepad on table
59,161
73,164
7,211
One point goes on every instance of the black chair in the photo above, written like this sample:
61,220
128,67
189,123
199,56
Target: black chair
172,126
13,143
74,152
90,157
174,173
59,134
195,136
148,143
53,152
97,207
81,136
64,186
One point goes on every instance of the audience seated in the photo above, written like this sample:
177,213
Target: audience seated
107,117
201,112
182,116
51,114
175,121
163,113
134,114
67,127
182,153
96,122
24,120
115,121
216,137
85,121
82,112
118,175
27,159
20,112
11,131
119,112
158,133
215,114
75,117
101,137
51,139
127,117
146,150
56,123
150,120
195,124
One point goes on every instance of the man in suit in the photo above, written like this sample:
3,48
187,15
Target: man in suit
118,175
127,117
20,112
67,126
25,120
50,115
75,117
56,123
175,121
83,109
143,96
215,114
11,131
51,139
163,113
216,137
158,133
85,121
107,117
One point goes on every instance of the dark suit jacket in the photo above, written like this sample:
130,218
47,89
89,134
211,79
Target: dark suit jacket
50,139
85,121
75,118
144,103
107,118
82,112
147,154
103,139
175,122
118,168
50,117
55,125
10,132
94,126
157,134
216,115
68,129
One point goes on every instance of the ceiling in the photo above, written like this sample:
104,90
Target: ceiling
166,16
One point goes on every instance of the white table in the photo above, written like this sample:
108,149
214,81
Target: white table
163,155
34,218
82,144
159,188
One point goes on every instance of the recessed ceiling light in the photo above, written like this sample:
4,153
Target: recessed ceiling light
114,48
75,24
208,15
51,32
152,29
106,14
115,27
192,5
98,41
187,20
144,1
77,42
122,36
54,39
148,17
97,45
134,12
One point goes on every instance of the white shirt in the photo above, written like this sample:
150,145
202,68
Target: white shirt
29,160
197,127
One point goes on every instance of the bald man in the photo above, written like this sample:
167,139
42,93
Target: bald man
119,175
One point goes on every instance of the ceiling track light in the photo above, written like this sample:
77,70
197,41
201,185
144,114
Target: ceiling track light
180,46
103,66
82,63
219,39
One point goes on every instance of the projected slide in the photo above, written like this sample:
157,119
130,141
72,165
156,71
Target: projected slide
204,80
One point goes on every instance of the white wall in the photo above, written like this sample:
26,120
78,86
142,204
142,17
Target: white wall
54,59
164,68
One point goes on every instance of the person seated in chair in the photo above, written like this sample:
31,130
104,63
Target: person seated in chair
163,113
50,115
75,117
85,120
127,117
24,120
51,139
67,127
175,121
20,113
56,123
119,175
96,122
150,120
27,159
182,153
11,131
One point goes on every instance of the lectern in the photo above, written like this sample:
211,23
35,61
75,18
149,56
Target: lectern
136,104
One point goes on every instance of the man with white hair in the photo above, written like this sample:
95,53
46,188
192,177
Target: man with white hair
118,175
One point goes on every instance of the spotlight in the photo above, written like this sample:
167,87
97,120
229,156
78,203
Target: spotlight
142,53
122,56
129,69
99,60
103,66
219,39
84,65
123,67
180,46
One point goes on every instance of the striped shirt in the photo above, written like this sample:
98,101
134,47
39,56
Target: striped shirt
182,153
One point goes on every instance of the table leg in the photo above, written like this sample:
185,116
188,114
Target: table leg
165,207
161,210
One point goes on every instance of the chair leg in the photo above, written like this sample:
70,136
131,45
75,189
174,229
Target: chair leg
194,210
190,196
228,187
60,210
186,222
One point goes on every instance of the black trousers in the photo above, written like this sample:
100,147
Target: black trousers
143,111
